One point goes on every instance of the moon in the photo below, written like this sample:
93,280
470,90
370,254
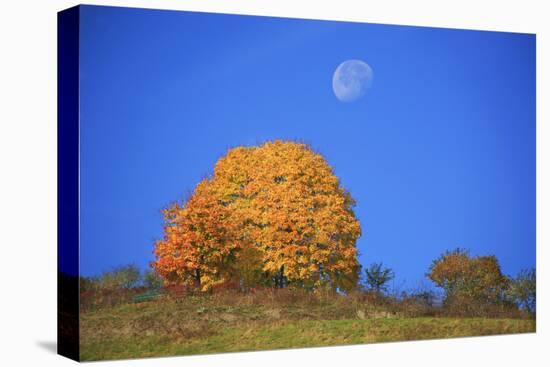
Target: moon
351,79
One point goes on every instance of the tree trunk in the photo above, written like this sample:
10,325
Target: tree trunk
198,277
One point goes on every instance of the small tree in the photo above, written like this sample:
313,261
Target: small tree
124,277
152,280
378,276
474,279
523,290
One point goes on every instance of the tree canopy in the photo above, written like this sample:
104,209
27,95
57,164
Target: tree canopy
477,278
274,213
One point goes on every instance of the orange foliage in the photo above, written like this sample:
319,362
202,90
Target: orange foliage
198,243
476,278
280,200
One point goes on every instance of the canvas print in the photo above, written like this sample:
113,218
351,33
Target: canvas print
241,183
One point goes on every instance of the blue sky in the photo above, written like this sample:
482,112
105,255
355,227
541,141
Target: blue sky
439,153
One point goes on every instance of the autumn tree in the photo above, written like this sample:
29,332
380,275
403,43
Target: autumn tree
469,278
277,205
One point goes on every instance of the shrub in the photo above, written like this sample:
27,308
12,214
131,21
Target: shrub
152,280
122,277
477,280
523,291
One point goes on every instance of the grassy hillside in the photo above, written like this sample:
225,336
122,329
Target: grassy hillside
198,325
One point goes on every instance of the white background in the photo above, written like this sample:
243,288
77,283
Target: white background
28,181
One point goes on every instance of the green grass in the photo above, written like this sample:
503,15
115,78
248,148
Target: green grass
170,328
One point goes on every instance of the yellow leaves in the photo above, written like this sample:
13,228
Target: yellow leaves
476,277
282,198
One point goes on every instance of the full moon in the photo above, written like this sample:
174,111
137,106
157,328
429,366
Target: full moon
351,79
